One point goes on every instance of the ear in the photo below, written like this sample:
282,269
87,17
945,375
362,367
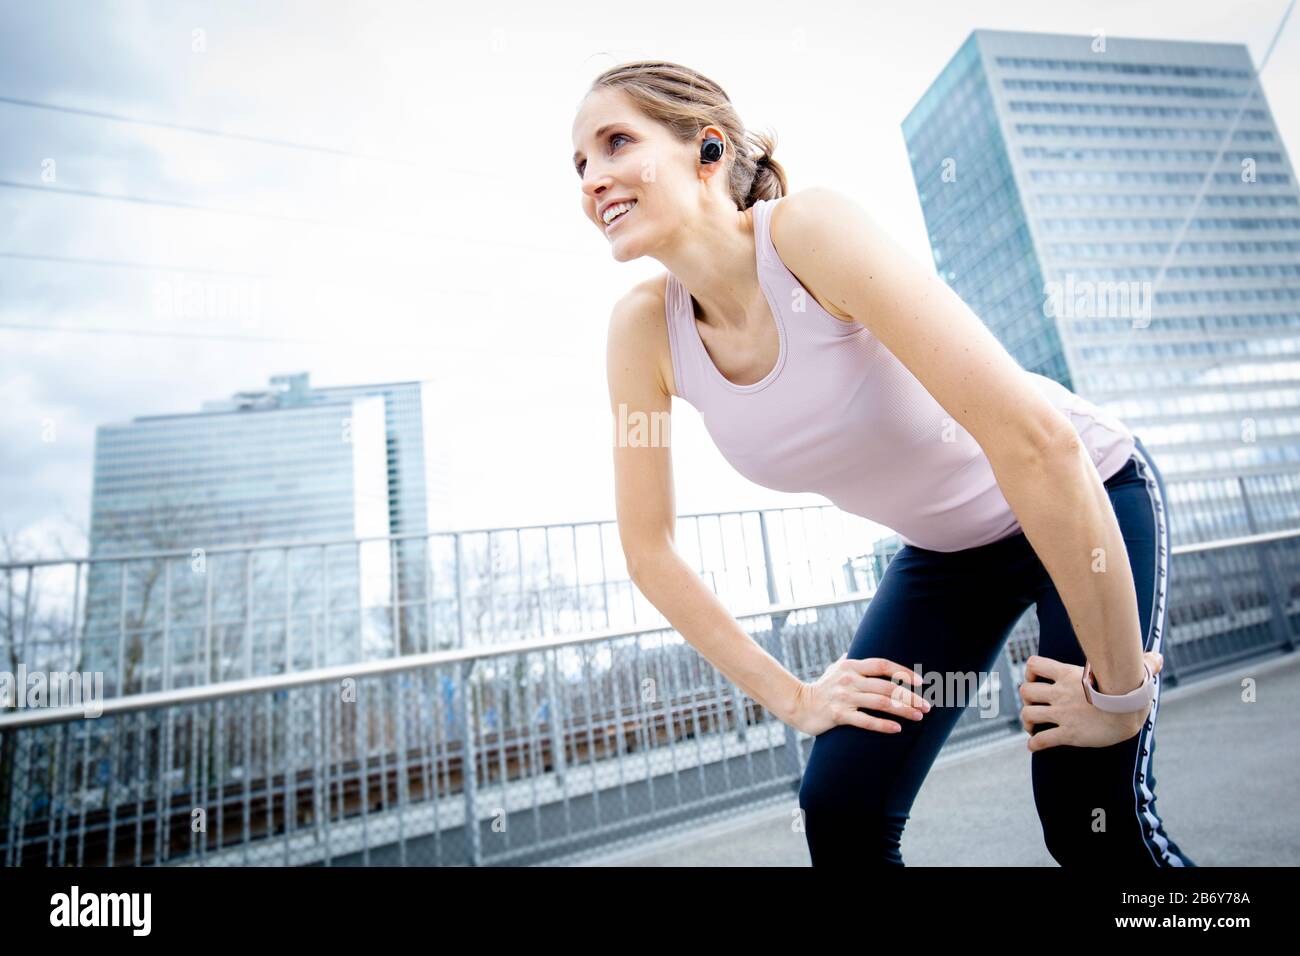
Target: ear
712,131
707,170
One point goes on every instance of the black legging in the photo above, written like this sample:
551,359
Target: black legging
951,612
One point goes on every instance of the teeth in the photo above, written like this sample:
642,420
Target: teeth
614,211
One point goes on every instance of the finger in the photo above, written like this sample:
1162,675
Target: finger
1039,666
1155,659
887,705
872,666
897,692
857,718
1036,692
1035,714
1047,738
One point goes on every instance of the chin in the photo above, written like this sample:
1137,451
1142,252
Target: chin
624,252
626,248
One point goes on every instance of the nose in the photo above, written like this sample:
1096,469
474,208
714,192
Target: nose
595,179
594,187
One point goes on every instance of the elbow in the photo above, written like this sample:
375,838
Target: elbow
1039,444
636,565
1057,441
642,562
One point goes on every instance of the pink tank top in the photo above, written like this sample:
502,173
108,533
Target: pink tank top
839,415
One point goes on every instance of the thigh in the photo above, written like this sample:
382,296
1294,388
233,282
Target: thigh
945,615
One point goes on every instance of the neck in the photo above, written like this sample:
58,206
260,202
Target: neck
713,257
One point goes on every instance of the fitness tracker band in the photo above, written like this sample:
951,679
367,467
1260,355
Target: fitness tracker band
1134,700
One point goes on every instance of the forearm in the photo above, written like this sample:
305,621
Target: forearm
672,586
1066,514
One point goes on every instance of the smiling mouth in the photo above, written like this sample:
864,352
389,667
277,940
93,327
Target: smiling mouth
620,217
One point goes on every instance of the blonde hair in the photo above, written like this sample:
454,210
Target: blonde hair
685,102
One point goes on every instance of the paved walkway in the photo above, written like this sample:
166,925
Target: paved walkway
1228,790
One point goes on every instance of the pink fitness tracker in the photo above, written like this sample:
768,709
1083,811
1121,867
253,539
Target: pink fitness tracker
1134,700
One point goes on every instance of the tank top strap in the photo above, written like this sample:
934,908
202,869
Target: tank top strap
806,319
680,316
767,253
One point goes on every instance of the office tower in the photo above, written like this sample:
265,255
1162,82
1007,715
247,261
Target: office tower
220,490
1123,215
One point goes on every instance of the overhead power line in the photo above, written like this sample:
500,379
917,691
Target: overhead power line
124,264
329,275
280,217
241,137
432,347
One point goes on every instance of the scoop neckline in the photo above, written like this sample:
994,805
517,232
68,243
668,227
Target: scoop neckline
775,371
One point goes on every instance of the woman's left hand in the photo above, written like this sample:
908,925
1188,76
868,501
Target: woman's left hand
1078,723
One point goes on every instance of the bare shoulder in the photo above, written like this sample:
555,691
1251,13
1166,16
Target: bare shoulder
639,320
807,209
804,223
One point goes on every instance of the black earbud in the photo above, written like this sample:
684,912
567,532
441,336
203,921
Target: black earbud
712,149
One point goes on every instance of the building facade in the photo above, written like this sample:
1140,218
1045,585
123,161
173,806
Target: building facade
1123,215
224,492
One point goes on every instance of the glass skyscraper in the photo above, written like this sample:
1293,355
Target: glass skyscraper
1123,215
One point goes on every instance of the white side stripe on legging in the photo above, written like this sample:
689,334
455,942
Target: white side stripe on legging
1147,819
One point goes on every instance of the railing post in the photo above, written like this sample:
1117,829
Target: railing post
325,611
428,593
288,614
793,749
469,762
78,635
394,595
1008,698
1281,623
460,592
121,635
248,613
1220,588
167,620
557,720
768,571
208,571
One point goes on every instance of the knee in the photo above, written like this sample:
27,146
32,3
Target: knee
1084,839
847,825
1065,848
1074,834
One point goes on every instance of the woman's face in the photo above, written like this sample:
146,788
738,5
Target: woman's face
623,156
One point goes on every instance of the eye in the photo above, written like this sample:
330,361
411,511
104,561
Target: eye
612,136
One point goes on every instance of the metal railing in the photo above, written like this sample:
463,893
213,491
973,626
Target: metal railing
166,619
518,752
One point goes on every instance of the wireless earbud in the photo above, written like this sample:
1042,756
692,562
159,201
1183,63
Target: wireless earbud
712,149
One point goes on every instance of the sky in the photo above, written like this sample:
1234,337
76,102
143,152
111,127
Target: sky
433,230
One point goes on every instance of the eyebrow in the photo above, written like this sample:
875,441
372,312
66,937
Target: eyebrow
599,133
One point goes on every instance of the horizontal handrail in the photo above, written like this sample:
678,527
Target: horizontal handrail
391,665
268,683
405,536
1260,538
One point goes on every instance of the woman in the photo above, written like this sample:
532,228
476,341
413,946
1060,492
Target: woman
823,359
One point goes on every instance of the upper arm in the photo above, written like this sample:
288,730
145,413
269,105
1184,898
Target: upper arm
641,409
829,239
